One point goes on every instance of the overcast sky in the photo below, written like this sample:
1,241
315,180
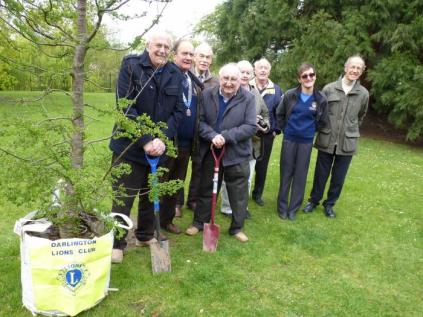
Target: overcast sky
179,17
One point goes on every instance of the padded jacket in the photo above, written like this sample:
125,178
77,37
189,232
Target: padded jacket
237,127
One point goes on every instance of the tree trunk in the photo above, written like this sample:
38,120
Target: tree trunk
78,86
67,229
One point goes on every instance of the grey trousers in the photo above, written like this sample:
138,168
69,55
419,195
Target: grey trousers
294,163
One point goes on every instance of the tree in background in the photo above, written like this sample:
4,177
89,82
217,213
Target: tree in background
325,32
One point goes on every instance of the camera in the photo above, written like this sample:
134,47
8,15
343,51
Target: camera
262,126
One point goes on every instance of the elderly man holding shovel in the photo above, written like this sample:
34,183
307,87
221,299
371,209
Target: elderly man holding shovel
227,122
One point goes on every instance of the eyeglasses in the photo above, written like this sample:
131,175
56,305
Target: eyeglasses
311,76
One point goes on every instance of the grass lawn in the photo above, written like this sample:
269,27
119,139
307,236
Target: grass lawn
366,262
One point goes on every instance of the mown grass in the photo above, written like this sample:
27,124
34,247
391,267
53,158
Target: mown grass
366,262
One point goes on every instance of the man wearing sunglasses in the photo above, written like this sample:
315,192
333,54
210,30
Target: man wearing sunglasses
337,142
301,112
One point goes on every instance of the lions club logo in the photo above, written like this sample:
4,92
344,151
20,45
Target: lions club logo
73,276
313,106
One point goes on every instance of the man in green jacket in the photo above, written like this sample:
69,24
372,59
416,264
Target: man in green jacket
337,142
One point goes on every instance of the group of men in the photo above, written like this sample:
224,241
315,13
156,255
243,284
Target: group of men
205,114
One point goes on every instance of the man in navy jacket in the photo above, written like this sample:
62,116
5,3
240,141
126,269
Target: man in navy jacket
155,85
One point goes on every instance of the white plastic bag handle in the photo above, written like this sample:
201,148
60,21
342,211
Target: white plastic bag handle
125,218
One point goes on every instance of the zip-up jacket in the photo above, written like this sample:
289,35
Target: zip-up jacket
290,99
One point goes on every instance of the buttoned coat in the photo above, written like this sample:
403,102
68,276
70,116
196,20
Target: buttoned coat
346,112
237,127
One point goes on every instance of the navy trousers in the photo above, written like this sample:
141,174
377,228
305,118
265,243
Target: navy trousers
261,166
294,163
134,184
337,166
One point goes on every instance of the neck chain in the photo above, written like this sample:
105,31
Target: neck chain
188,99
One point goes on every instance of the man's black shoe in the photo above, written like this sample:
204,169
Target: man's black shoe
309,207
291,216
258,201
283,215
329,212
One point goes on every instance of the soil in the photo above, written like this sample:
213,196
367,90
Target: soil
377,127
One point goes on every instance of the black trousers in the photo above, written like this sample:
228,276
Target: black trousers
134,184
337,166
236,178
294,163
177,170
261,165
194,183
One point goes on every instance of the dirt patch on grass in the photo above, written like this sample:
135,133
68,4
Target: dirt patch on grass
377,127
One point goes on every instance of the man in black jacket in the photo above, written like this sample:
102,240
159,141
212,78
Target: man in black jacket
155,85
228,119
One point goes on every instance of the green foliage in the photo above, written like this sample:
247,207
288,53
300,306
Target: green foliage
325,32
35,154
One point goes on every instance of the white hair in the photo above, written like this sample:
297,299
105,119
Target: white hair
229,68
245,64
203,47
262,61
159,33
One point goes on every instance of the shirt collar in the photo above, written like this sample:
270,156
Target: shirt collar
225,100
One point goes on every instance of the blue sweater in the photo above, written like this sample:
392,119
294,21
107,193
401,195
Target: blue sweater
301,124
222,107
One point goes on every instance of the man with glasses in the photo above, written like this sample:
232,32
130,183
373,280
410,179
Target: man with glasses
156,88
228,119
337,142
271,94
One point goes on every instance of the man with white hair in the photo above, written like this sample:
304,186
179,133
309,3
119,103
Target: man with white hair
155,85
203,58
263,126
337,142
228,119
271,94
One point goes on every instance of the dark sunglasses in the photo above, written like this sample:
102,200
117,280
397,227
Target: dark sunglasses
311,75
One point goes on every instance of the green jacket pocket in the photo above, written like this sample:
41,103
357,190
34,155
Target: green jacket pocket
350,141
